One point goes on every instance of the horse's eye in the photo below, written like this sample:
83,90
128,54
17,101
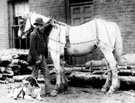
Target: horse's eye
21,22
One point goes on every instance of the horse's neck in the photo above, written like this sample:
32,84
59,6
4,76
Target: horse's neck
58,34
64,33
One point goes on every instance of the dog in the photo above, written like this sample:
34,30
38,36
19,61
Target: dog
29,89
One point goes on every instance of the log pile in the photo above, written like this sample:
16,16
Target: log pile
98,69
13,62
14,65
89,77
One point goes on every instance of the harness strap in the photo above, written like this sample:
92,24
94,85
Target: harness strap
67,45
67,37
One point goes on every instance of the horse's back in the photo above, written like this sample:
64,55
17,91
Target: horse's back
83,33
97,28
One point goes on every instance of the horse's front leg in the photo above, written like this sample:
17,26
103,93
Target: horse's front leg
56,61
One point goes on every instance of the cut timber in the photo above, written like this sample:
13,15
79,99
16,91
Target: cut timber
99,70
81,69
127,62
19,78
101,62
128,59
88,77
9,54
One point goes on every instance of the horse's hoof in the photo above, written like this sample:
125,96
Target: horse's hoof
53,93
110,91
40,99
104,90
15,98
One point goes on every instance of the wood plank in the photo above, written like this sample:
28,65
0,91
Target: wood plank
89,77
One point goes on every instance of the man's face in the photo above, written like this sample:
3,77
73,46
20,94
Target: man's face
40,28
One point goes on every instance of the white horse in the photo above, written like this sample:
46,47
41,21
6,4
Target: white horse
83,38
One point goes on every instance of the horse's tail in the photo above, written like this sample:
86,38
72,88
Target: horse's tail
118,46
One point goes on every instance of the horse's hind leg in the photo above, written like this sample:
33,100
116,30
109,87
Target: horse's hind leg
108,82
112,64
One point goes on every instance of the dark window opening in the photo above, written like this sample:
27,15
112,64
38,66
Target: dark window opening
18,42
19,7
79,1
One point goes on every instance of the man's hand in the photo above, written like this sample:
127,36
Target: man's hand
38,62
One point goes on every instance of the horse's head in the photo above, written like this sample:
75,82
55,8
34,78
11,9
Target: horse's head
25,27
27,24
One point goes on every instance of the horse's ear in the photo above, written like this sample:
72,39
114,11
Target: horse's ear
50,20
53,16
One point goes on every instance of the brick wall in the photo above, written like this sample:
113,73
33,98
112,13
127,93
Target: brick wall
44,7
119,11
123,13
4,42
49,8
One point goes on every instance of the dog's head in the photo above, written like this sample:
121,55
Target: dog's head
31,87
30,80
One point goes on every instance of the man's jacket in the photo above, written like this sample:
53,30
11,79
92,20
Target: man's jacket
38,46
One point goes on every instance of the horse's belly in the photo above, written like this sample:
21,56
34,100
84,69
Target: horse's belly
80,50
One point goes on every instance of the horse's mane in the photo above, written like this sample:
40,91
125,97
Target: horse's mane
48,28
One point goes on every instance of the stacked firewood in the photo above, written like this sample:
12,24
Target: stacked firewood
98,69
14,66
13,62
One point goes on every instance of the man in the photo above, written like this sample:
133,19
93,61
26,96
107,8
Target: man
38,54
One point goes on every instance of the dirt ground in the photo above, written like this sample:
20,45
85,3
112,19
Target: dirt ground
75,94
